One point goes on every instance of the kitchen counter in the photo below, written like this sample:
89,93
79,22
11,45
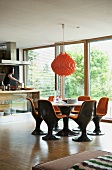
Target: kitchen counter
18,91
6,97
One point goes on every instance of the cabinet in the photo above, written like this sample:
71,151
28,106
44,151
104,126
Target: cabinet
7,50
17,99
3,51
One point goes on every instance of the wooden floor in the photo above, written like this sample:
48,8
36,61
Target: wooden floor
19,150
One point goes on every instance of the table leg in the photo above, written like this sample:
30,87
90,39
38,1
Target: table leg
66,131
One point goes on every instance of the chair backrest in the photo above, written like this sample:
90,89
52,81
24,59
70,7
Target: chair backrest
46,110
87,111
102,106
51,98
83,98
34,112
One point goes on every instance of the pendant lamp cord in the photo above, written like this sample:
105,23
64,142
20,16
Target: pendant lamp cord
63,34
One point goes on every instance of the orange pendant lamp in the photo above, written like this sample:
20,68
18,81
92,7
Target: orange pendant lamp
63,64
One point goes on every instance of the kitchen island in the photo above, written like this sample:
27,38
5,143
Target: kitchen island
7,98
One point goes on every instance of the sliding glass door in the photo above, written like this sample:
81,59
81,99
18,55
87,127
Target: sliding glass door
101,70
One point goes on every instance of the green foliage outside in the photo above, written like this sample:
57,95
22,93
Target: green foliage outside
100,75
74,84
40,75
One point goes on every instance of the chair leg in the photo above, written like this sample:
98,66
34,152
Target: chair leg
56,127
83,137
37,130
97,130
50,135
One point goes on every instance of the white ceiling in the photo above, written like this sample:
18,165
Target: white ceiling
32,23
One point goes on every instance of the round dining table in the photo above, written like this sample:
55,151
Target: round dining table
66,108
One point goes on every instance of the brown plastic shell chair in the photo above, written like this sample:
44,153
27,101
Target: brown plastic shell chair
55,108
85,115
101,111
77,108
37,118
57,111
50,117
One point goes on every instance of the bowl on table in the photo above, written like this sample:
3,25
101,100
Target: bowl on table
71,101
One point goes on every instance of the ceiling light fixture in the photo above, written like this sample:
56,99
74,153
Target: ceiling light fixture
63,64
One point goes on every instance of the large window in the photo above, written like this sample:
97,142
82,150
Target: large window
39,73
101,70
74,84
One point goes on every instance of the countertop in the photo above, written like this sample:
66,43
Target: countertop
18,91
